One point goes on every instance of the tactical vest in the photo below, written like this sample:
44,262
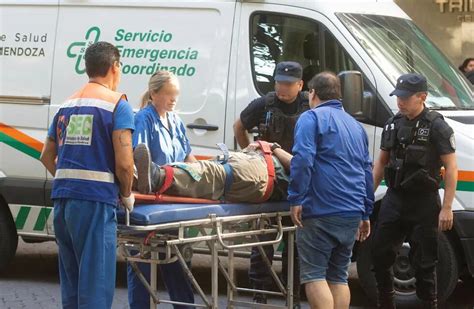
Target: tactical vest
414,162
276,126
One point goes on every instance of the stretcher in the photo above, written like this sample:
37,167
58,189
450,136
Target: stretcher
156,229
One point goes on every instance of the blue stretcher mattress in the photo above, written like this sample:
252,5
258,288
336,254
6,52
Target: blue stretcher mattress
151,214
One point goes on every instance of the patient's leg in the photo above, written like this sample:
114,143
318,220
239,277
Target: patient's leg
151,177
249,183
209,186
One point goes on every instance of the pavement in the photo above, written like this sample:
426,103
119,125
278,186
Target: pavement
32,281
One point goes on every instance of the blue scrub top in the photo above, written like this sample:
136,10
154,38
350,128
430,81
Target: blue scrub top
166,145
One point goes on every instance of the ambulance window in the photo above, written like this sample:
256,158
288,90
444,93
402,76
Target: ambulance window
336,58
276,38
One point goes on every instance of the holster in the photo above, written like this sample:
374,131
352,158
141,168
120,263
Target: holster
393,174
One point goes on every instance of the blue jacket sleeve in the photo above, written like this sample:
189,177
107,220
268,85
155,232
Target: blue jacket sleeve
369,181
304,152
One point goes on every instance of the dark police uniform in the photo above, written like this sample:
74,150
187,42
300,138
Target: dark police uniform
275,121
412,204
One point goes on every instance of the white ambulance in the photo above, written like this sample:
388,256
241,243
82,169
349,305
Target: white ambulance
224,53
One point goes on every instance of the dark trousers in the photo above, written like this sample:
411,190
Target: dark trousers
178,286
174,277
259,275
403,214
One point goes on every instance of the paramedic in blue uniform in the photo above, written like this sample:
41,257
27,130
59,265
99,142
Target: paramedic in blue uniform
91,139
164,133
415,143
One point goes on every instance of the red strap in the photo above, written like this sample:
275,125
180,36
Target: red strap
163,198
267,154
169,173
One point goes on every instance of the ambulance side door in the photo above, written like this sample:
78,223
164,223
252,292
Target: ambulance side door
190,39
27,37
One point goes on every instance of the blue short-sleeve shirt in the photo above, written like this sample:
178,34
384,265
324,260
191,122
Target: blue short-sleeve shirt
166,144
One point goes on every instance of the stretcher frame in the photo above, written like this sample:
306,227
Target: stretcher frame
222,242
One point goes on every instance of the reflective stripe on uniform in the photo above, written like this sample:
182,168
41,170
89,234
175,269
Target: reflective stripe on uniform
85,175
88,102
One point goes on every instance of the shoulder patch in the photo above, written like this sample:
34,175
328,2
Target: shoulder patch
452,141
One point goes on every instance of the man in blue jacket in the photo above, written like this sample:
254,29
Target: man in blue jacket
330,193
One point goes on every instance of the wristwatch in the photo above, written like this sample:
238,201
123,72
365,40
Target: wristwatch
275,146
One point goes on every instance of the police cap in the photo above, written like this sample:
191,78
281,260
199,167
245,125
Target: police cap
409,84
288,71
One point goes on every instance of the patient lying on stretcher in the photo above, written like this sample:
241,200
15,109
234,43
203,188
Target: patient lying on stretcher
245,178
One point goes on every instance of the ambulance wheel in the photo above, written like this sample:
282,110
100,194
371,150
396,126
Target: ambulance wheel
404,280
8,237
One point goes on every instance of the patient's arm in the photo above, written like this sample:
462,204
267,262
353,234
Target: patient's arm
284,158
190,159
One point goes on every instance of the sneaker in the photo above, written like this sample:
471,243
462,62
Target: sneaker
142,158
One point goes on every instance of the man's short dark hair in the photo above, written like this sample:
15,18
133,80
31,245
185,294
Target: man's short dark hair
326,85
99,58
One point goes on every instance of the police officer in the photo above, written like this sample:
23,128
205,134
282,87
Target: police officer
275,116
276,113
415,144
89,150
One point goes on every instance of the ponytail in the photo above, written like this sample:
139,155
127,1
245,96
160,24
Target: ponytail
146,100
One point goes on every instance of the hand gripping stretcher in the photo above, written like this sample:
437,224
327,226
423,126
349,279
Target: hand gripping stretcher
225,228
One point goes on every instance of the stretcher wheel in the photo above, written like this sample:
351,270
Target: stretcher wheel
8,237
187,253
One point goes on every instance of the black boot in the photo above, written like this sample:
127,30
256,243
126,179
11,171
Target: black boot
260,298
430,304
385,299
149,176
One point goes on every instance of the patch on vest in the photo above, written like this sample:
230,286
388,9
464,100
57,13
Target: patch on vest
423,134
452,141
79,130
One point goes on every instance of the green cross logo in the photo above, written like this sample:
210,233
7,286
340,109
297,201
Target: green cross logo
77,49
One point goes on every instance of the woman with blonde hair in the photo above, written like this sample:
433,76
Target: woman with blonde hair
158,126
161,129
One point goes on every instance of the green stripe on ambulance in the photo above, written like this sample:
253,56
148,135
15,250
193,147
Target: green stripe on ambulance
31,219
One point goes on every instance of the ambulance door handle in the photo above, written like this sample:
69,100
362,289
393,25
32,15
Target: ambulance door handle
207,127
